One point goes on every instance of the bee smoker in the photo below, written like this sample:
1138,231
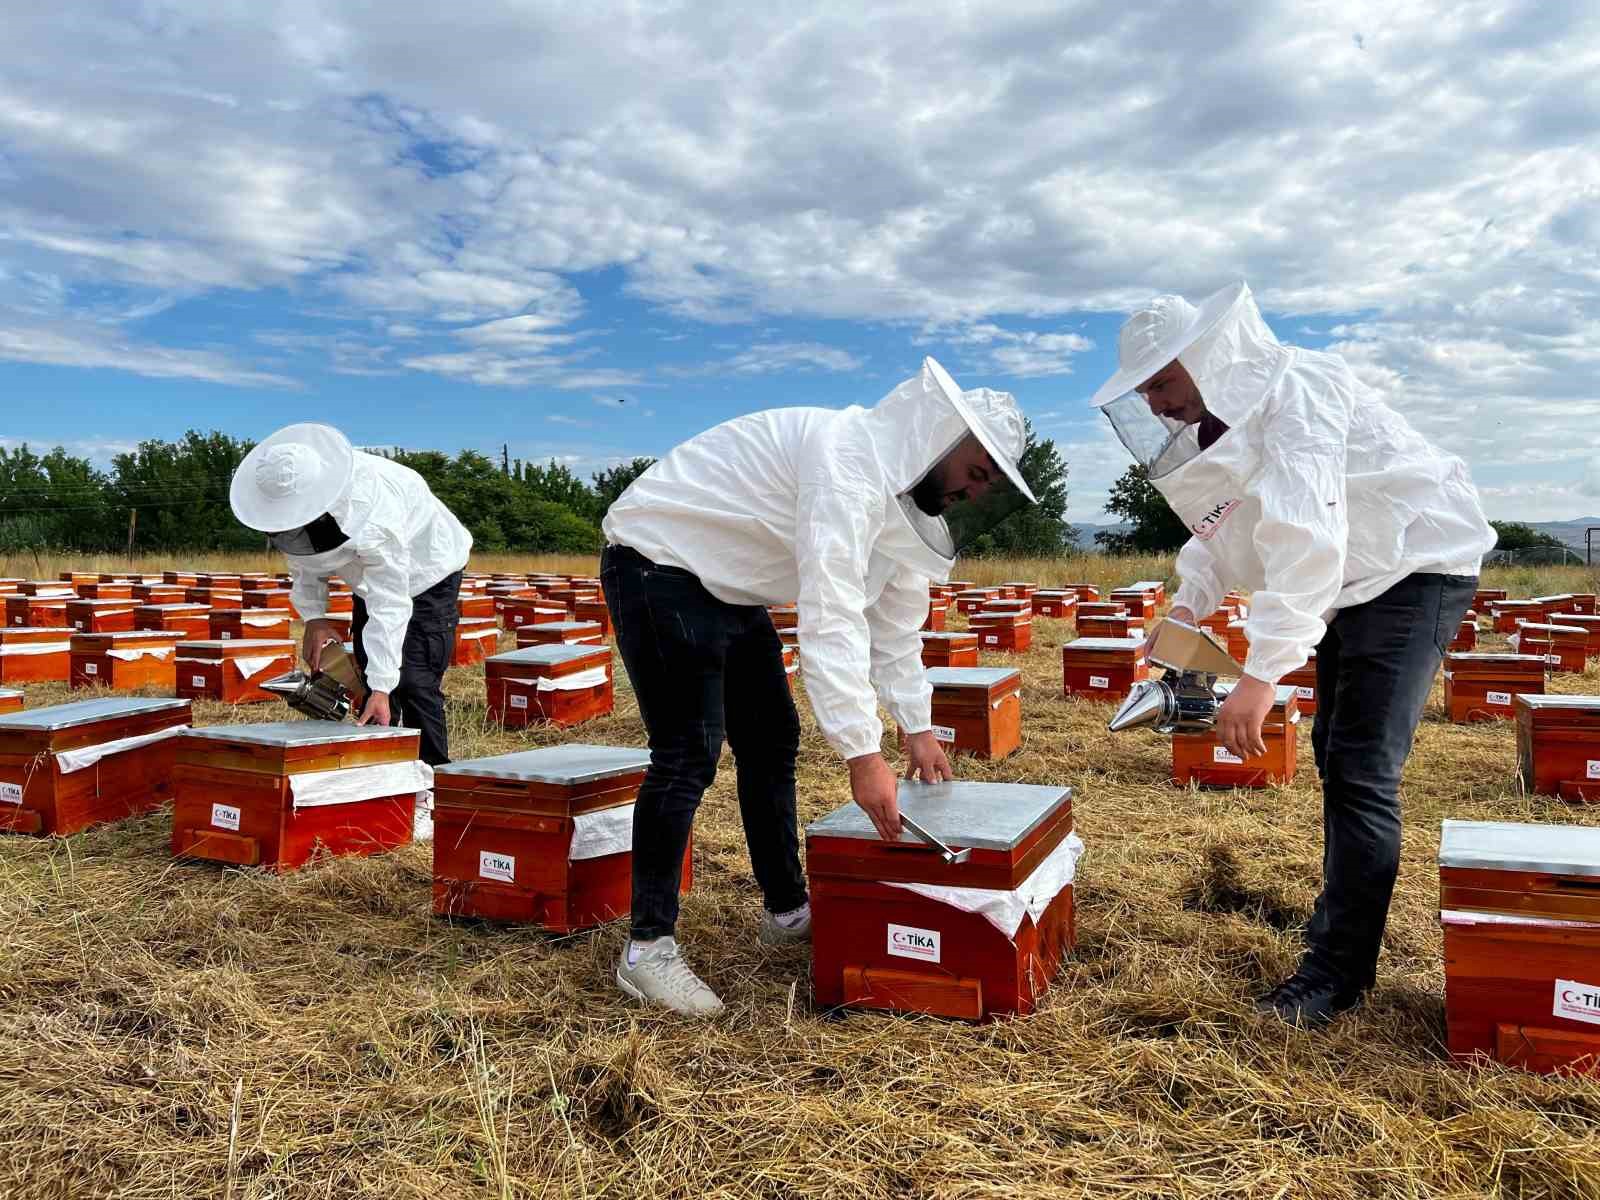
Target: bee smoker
1186,699
329,693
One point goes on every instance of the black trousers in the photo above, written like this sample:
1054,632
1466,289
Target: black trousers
703,669
417,702
1375,666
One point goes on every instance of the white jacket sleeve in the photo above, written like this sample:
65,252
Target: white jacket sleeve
834,533
1202,588
895,623
308,591
385,589
1301,538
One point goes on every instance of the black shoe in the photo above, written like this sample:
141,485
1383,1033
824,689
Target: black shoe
1307,998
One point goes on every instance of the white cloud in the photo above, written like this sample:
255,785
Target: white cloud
772,358
104,350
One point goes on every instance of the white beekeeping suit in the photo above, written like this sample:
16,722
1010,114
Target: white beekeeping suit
333,510
1318,497
811,505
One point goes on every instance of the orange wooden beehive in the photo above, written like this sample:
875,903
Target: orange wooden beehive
970,600
1507,613
223,579
1466,637
894,926
100,616
938,616
1558,745
1139,602
157,593
1303,680
184,579
561,633
1020,590
124,660
517,611
247,624
1558,603
1520,907
36,612
977,710
1103,668
564,685
232,671
70,766
791,665
1101,608
1564,647
1084,591
216,598
543,836
476,639
102,590
475,604
10,701
1479,687
949,649
35,655
1054,603
1006,631
1203,759
1591,631
1125,626
267,600
1482,597
593,610
272,795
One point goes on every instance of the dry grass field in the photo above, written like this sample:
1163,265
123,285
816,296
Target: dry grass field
180,1030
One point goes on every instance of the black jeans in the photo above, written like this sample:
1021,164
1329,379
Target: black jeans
1375,666
417,701
702,669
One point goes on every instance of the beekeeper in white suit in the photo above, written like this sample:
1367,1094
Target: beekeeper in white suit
1355,537
332,510
851,513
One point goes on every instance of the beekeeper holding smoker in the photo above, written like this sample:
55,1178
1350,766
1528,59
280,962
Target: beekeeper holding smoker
332,510
1355,537
851,512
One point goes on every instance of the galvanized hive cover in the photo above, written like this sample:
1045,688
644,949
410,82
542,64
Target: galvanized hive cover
564,765
298,733
1545,701
962,813
1103,643
945,637
1516,846
237,643
552,655
984,677
85,712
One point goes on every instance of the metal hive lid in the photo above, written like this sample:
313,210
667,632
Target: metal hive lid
985,677
236,643
1104,643
545,656
298,733
569,764
963,813
85,712
1553,701
1519,846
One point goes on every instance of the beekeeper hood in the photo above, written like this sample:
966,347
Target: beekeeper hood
1227,350
287,485
921,433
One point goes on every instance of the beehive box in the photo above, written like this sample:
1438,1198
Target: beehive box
1009,632
47,589
215,598
1201,758
593,610
1237,639
1466,637
246,624
1101,608
564,685
1084,591
475,605
1103,668
949,649
791,665
220,579
1157,588
157,593
893,926
1482,597
69,766
10,701
100,616
937,618
517,611
1564,647
970,600
102,590
1054,603
1020,590
1139,602
1520,907
784,616
1124,626
35,655
267,600
1558,745
232,671
977,710
1479,687
1591,631
476,639
561,633
1304,682
125,660
1507,613
1560,602
274,794
24,611
183,579
542,837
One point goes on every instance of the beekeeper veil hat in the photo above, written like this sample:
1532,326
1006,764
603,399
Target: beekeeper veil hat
292,478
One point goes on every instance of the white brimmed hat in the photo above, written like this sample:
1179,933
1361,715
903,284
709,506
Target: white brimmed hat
998,427
1159,332
292,477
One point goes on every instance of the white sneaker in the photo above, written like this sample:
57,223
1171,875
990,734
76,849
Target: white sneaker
786,929
660,976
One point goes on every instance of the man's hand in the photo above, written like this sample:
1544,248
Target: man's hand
874,787
1176,614
926,758
1239,719
318,634
377,710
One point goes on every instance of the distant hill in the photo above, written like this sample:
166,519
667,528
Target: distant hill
1087,531
1570,532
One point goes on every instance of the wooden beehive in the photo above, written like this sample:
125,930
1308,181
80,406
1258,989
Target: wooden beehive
251,624
215,598
977,710
1466,637
157,593
100,616
1084,591
564,685
594,610
1507,613
232,671
1564,647
517,611
1591,631
949,649
893,926
1201,758
475,605
1138,601
272,795
35,655
100,590
36,612
264,600
561,633
541,837
784,616
1054,603
123,660
1011,632
69,766
10,701
1483,596
1520,908
1237,639
183,579
1101,608
1019,590
476,639
1103,668
1558,745
1303,680
1480,687
970,600
1096,626
937,618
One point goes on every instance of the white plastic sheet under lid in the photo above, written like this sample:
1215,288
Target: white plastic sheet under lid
1459,917
553,655
85,712
1104,643
1517,846
984,677
605,831
260,620
479,633
593,677
1005,909
348,785
35,647
139,652
564,766
68,761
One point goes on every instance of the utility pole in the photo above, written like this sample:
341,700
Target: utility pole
133,522
505,458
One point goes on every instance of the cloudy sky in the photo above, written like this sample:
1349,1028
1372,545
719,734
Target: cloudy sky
588,231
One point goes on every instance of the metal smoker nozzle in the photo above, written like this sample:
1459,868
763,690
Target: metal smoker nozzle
1186,700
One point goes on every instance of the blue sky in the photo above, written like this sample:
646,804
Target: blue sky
591,234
